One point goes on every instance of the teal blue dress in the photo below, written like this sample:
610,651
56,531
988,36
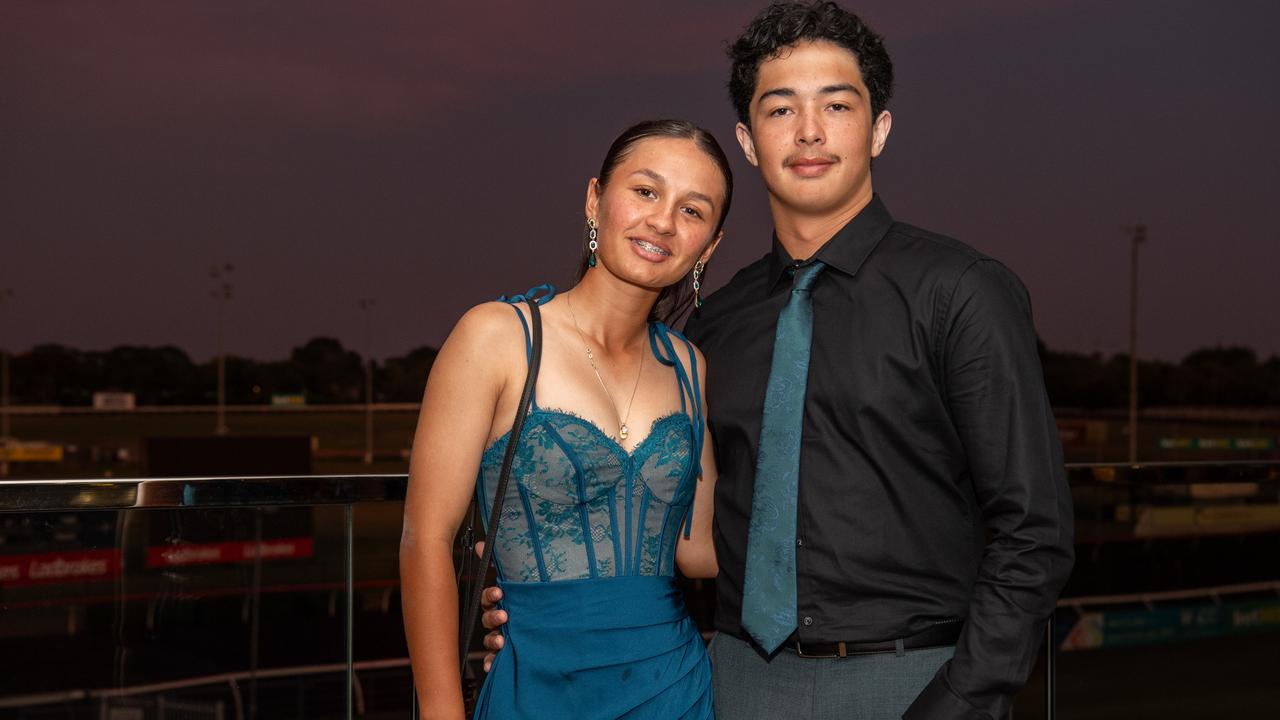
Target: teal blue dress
585,556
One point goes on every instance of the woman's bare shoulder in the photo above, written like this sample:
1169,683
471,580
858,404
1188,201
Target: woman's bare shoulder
488,333
488,319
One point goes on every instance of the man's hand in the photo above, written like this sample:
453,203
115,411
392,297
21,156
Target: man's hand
492,618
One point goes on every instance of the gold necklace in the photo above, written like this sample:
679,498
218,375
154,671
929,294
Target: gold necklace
623,430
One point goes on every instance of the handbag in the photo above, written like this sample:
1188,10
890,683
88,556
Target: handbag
477,579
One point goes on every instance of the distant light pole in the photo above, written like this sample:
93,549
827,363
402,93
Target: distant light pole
221,293
5,294
366,306
1138,235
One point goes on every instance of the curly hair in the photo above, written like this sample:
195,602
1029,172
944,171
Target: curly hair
782,25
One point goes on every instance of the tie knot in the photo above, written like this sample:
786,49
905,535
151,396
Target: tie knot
805,275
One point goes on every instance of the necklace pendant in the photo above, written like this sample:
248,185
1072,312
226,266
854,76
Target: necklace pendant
624,431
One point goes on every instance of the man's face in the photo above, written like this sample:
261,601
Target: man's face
812,134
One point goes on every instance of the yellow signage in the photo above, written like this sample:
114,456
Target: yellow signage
31,452
1207,520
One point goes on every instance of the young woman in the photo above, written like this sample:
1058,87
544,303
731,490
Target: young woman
612,484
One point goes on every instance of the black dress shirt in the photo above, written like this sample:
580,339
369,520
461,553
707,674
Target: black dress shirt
931,476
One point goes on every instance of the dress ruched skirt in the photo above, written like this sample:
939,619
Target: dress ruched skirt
619,647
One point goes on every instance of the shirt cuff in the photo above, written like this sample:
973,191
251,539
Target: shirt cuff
938,702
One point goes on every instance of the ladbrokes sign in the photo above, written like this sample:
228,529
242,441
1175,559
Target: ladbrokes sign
59,567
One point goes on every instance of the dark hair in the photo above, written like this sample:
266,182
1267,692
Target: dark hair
782,25
674,300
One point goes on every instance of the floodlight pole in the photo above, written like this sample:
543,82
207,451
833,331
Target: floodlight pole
366,306
5,294
221,293
1138,235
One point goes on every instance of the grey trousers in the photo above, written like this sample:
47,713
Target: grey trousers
861,687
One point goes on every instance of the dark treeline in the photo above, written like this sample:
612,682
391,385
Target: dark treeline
1233,376
322,370
326,372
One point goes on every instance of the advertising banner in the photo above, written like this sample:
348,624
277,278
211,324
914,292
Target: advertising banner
1126,628
59,567
228,552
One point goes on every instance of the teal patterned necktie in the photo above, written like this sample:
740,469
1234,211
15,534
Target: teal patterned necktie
769,588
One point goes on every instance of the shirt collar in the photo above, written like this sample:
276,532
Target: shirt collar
847,249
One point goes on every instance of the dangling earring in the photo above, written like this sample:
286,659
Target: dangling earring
592,244
698,268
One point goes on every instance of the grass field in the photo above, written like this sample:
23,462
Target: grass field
101,443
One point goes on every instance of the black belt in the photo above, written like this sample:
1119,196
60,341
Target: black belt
941,634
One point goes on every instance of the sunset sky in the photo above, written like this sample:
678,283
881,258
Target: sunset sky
432,155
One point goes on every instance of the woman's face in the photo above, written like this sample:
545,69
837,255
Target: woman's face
657,215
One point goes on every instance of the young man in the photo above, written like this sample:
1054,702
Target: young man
893,523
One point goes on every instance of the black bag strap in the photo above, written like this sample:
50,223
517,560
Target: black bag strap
495,513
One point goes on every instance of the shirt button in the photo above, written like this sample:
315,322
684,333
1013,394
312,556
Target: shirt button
808,621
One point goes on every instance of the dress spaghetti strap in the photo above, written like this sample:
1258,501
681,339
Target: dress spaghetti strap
660,339
540,294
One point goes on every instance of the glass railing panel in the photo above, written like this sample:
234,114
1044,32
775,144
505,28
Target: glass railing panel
383,676
1173,607
197,608
153,598
60,577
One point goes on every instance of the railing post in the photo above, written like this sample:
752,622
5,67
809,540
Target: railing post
1050,667
351,596
255,614
235,696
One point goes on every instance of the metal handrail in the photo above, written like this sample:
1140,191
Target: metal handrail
284,490
231,678
1173,472
198,492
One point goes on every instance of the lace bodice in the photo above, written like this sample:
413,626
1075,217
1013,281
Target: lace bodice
580,506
